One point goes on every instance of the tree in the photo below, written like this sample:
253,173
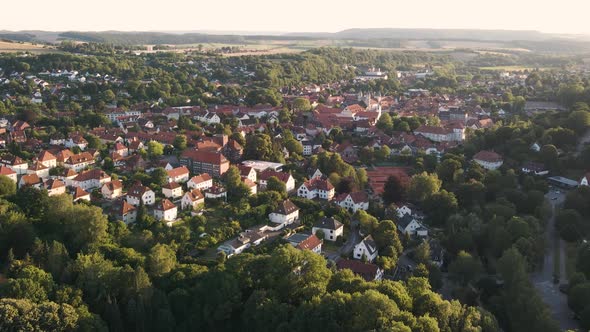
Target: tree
155,149
422,186
465,268
301,104
385,123
579,120
422,253
448,169
161,259
236,188
159,176
549,155
570,226
7,186
274,184
180,142
439,206
394,190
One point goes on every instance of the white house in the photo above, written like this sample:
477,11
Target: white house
331,228
112,189
32,180
316,188
178,174
403,210
585,179
201,182
353,201
172,190
140,193
8,173
366,248
91,179
285,213
411,226
192,199
488,159
125,211
15,163
79,161
165,211
47,159
285,178
38,168
54,187
247,172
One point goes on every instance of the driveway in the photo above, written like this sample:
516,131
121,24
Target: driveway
543,279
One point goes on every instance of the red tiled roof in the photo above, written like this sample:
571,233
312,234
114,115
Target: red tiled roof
200,178
178,171
310,243
488,156
165,205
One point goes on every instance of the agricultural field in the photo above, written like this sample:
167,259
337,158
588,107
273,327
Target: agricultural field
7,47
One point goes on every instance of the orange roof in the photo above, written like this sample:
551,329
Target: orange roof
165,205
310,243
178,171
45,156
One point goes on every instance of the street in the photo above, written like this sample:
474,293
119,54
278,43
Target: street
543,279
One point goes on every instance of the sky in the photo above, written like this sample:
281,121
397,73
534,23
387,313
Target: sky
563,16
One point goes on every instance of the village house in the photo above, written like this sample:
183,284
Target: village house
369,272
30,180
91,179
80,194
286,213
79,161
54,187
366,249
331,228
38,168
303,241
165,211
316,188
489,160
8,173
247,173
178,174
47,159
192,199
355,201
112,189
15,163
124,211
409,225
216,192
172,190
285,178
140,194
121,149
244,241
201,182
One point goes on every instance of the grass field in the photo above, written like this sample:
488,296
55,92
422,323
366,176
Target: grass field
513,68
7,47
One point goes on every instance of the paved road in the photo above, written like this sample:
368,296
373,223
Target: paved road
543,280
353,238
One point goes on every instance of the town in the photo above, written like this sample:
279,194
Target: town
439,185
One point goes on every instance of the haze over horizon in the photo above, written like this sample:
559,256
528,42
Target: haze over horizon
304,16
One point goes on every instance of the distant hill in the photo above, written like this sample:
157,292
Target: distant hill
452,34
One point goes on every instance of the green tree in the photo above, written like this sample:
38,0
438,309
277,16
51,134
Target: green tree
465,268
7,186
180,142
394,190
161,259
155,149
422,186
274,184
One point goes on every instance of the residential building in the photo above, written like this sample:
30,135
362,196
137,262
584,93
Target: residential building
355,201
140,193
91,179
80,194
201,182
192,199
316,188
47,159
54,187
367,248
30,180
165,211
38,168
178,174
369,272
411,226
211,162
285,213
489,160
124,211
306,242
172,190
331,228
285,178
8,173
112,189
79,161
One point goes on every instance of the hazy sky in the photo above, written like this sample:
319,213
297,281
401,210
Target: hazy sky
568,16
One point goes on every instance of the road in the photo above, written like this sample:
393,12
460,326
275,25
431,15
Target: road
353,238
543,279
